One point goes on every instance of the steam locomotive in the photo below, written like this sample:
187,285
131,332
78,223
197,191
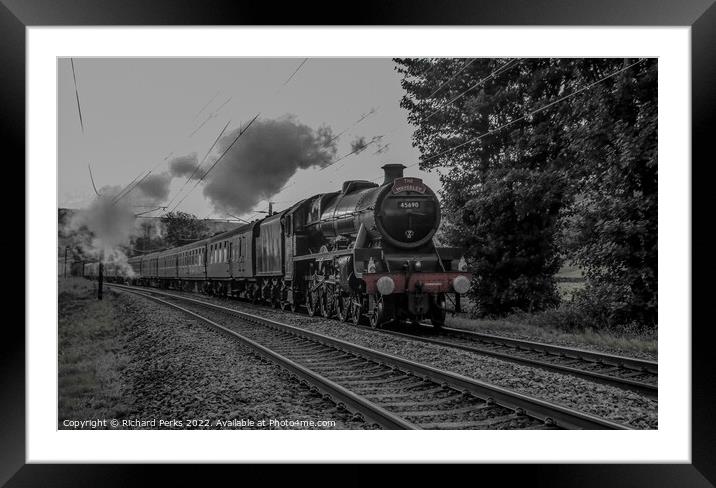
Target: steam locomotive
364,252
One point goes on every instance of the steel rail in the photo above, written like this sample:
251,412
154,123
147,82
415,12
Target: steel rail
340,395
576,353
648,389
547,412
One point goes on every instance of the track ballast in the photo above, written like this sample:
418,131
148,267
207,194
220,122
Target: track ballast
393,392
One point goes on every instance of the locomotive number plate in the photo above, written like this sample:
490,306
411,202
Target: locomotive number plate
411,204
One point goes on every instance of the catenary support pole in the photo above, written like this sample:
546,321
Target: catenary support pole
100,275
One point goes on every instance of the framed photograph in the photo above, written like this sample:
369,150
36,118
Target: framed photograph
283,242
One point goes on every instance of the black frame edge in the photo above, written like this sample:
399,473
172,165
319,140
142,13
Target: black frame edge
701,14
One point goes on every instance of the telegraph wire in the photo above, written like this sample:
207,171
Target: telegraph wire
92,179
505,67
294,73
198,166
472,60
529,114
241,132
77,96
206,105
379,138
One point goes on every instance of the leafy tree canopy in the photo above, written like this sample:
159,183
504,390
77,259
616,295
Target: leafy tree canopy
181,228
544,159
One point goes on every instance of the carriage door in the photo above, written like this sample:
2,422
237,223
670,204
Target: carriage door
231,256
288,255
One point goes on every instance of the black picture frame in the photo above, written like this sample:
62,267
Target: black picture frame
16,15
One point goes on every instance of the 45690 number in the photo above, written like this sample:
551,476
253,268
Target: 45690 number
412,204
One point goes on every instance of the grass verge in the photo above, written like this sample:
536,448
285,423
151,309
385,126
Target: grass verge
90,357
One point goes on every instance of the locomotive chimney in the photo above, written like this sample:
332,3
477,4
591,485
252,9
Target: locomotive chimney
392,171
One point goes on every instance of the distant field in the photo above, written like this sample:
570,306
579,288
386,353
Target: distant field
569,280
569,273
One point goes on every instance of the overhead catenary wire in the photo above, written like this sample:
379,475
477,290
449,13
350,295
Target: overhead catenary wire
376,139
134,183
354,151
206,105
294,73
218,109
198,166
148,211
359,149
522,117
77,95
241,132
529,114
130,188
472,60
360,119
92,179
82,123
210,116
505,67
121,192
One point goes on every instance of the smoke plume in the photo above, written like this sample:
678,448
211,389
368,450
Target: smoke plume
156,186
184,165
102,229
358,144
262,161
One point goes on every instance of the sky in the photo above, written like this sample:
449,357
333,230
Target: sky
138,111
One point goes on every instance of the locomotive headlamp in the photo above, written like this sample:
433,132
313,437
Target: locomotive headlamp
462,265
371,265
460,284
385,285
418,266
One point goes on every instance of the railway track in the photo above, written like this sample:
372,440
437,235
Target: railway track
632,374
392,392
640,376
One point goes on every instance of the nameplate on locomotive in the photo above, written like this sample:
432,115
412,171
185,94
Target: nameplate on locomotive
408,184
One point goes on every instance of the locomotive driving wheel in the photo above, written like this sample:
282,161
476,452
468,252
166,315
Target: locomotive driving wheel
356,309
377,315
343,307
312,298
331,296
323,301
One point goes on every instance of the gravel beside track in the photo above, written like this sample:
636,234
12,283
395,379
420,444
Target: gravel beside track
608,402
179,369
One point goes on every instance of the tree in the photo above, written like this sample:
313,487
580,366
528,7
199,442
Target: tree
615,218
182,227
533,147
